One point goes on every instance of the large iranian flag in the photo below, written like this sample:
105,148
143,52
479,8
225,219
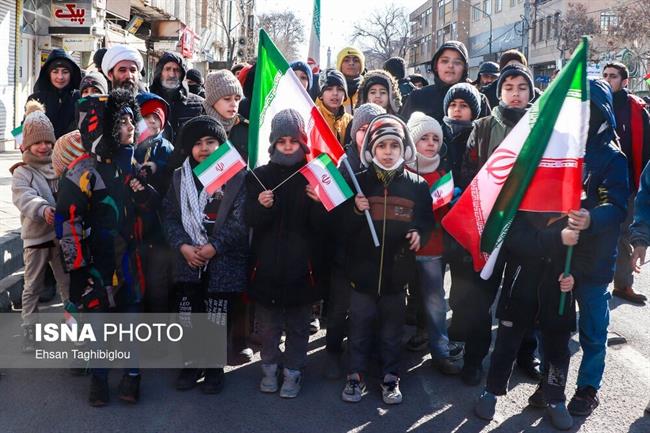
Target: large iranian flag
537,168
276,88
313,55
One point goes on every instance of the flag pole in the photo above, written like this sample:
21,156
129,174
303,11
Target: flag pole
357,188
284,181
567,271
256,178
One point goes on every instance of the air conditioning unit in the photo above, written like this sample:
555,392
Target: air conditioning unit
242,41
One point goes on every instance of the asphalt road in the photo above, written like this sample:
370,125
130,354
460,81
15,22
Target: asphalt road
54,401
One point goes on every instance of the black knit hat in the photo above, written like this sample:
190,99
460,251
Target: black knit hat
194,75
396,67
98,57
288,123
515,70
457,46
334,78
198,127
467,93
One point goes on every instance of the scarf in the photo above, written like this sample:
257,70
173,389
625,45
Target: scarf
386,175
511,115
424,164
226,123
192,206
43,165
280,158
457,126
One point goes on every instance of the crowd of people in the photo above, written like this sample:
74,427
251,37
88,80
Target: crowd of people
126,226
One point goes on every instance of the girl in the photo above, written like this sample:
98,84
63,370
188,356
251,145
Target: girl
381,88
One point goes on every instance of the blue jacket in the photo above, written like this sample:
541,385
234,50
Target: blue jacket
605,184
640,228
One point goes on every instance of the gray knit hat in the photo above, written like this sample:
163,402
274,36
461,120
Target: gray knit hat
420,124
37,126
288,123
363,115
219,84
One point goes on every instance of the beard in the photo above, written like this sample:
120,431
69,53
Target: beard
171,83
129,85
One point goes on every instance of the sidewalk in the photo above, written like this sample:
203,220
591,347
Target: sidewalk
9,215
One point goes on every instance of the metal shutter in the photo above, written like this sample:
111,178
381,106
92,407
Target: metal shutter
7,69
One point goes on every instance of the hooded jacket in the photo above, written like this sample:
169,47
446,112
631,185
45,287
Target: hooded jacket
183,105
379,76
59,104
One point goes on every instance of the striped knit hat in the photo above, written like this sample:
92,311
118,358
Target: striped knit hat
67,148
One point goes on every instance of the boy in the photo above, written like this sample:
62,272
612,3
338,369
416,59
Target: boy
330,103
34,186
401,208
93,83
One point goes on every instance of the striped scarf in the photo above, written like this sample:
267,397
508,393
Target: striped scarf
192,206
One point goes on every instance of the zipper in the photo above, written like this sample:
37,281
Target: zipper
383,243
514,281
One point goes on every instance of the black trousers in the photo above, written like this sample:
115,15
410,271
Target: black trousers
556,356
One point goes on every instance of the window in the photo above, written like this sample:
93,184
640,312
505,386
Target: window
441,11
440,37
608,20
512,3
498,6
476,12
533,30
487,7
454,31
548,27
556,25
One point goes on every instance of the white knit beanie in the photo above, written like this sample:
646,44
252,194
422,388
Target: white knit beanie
420,124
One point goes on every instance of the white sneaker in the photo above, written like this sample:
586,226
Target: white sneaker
354,389
292,383
390,390
269,382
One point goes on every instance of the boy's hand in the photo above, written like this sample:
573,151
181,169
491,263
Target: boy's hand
136,185
569,237
361,203
266,198
48,215
311,193
414,240
566,283
638,258
193,259
207,252
579,219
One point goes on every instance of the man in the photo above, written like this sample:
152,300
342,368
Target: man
122,65
351,63
169,84
397,68
633,130
195,82
488,73
449,66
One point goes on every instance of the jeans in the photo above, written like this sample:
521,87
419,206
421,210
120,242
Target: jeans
623,276
432,292
294,321
593,320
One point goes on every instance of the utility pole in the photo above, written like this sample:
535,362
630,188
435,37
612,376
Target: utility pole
526,27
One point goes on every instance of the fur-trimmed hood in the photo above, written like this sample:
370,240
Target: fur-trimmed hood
379,76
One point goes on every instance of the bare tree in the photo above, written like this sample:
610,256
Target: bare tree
384,33
575,24
226,14
286,30
631,30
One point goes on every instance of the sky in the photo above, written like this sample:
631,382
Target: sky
337,19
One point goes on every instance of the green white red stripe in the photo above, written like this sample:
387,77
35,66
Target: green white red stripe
219,167
324,177
17,133
537,168
313,55
442,191
277,88
143,131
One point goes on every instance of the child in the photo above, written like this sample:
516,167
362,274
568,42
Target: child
34,187
427,135
152,155
400,205
381,88
223,93
285,224
333,92
93,83
94,222
209,238
534,252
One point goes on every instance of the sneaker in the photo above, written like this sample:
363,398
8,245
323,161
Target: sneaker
291,384
560,416
584,401
213,382
29,339
486,406
630,295
98,391
354,389
531,368
187,378
456,350
418,342
446,366
129,388
537,399
390,392
332,367
314,326
471,376
269,382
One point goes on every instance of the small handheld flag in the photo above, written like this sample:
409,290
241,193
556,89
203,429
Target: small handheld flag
219,167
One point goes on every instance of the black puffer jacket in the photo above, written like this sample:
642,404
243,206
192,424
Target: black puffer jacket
285,262
238,136
183,105
404,205
59,104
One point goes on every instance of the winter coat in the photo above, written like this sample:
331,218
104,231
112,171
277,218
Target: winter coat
229,237
640,228
59,104
350,102
404,205
338,123
31,193
285,261
534,259
238,136
456,145
183,105
379,76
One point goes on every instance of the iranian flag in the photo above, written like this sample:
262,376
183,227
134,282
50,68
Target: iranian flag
324,177
442,191
277,88
219,167
313,56
17,133
143,131
537,168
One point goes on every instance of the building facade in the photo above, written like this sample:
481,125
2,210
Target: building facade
421,45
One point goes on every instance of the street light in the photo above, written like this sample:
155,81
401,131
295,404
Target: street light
489,18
